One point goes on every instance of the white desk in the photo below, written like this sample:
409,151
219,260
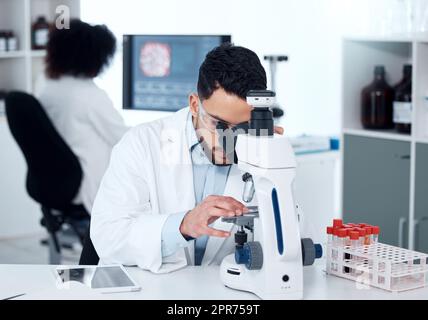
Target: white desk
189,283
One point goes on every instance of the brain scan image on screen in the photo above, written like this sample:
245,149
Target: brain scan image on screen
155,59
162,70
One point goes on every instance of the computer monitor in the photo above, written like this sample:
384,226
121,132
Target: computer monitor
160,71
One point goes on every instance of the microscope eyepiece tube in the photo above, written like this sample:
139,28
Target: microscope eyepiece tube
261,123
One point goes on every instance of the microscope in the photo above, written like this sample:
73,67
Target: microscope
271,264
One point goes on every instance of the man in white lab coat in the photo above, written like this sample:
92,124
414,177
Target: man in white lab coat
170,181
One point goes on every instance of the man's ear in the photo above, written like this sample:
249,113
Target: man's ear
194,104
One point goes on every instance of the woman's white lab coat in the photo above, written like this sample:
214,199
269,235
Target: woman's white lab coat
84,116
149,177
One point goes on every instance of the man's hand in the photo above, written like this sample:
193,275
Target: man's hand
196,222
278,130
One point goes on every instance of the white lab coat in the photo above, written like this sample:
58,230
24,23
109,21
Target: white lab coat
85,118
150,176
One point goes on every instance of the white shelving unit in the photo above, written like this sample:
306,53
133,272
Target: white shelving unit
384,134
360,55
12,54
19,215
20,69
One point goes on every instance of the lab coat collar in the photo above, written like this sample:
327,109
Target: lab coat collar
175,125
192,138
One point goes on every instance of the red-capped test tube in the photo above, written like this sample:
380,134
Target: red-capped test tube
362,233
330,235
375,233
337,223
369,236
354,237
347,241
341,237
334,252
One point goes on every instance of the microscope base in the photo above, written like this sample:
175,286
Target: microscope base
238,277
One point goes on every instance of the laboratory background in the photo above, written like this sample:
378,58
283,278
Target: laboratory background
351,83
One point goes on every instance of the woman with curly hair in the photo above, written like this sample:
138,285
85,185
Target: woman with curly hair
82,113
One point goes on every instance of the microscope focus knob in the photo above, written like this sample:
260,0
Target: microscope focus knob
310,251
318,251
250,254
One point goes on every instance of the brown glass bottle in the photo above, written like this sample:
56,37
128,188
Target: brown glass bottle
376,102
39,33
403,102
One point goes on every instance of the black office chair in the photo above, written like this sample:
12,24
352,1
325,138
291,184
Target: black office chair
89,255
54,172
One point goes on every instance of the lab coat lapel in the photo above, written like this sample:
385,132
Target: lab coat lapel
176,170
178,173
233,188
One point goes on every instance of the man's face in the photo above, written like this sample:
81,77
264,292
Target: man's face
227,108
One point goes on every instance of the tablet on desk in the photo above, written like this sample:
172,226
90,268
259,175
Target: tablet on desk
104,279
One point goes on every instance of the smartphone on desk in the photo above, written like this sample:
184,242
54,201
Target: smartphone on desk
103,278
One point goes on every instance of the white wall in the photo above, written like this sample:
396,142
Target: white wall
308,31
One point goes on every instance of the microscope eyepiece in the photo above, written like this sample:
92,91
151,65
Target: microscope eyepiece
261,122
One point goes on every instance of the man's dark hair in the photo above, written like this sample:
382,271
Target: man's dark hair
82,50
235,69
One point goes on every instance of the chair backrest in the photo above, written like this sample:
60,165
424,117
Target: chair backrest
54,172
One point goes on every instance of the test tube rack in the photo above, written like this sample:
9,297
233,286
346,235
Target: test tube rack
379,265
